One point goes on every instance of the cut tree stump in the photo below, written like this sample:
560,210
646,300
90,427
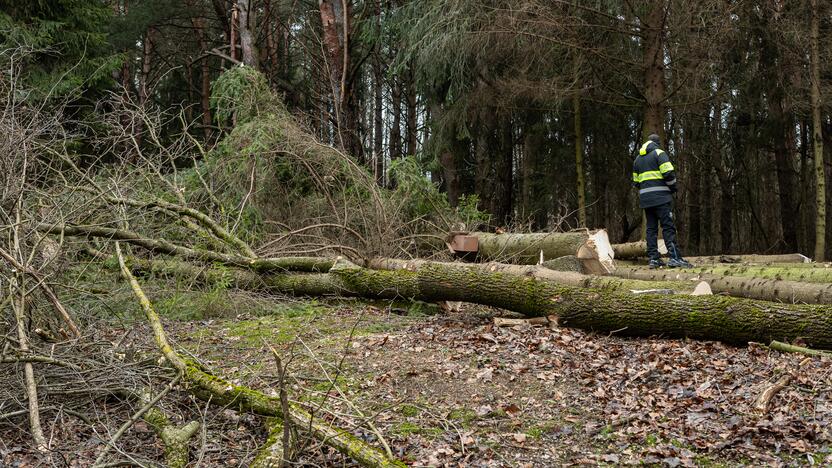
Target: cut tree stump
741,286
593,249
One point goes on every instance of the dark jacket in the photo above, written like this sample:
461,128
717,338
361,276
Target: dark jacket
654,176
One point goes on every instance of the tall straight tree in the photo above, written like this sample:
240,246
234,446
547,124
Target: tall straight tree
817,136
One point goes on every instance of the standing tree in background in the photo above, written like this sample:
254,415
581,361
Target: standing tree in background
817,136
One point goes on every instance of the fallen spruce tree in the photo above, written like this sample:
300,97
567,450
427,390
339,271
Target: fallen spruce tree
741,286
723,318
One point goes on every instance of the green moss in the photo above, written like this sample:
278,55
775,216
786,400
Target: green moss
464,415
407,428
409,410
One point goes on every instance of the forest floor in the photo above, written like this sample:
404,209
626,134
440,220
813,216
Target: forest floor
451,389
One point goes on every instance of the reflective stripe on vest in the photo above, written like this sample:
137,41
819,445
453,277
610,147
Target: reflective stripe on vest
666,167
643,149
648,175
661,188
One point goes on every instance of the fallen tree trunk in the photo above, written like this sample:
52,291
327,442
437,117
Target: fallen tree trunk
752,258
542,272
311,264
592,248
728,319
633,250
783,273
325,285
740,286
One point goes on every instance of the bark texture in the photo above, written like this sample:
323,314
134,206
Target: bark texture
728,319
528,248
751,287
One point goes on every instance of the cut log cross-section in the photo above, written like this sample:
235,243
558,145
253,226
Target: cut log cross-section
593,249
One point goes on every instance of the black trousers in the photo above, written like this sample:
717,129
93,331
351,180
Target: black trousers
661,214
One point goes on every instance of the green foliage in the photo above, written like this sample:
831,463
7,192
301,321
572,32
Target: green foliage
241,92
67,44
421,198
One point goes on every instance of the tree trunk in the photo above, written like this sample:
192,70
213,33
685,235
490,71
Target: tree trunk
755,288
504,203
545,272
593,249
335,20
232,40
271,40
795,258
205,76
395,142
579,162
412,136
378,103
817,139
729,319
247,46
774,272
653,63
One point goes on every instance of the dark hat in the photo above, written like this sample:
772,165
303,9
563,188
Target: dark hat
654,138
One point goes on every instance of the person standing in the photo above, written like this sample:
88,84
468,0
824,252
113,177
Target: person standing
655,179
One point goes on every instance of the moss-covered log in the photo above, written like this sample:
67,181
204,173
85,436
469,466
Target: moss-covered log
741,286
565,263
781,272
174,438
727,319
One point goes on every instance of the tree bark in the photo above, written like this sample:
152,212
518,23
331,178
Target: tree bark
728,319
199,25
795,258
527,248
247,46
741,286
633,250
817,139
774,272
653,63
395,142
544,272
412,136
579,162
